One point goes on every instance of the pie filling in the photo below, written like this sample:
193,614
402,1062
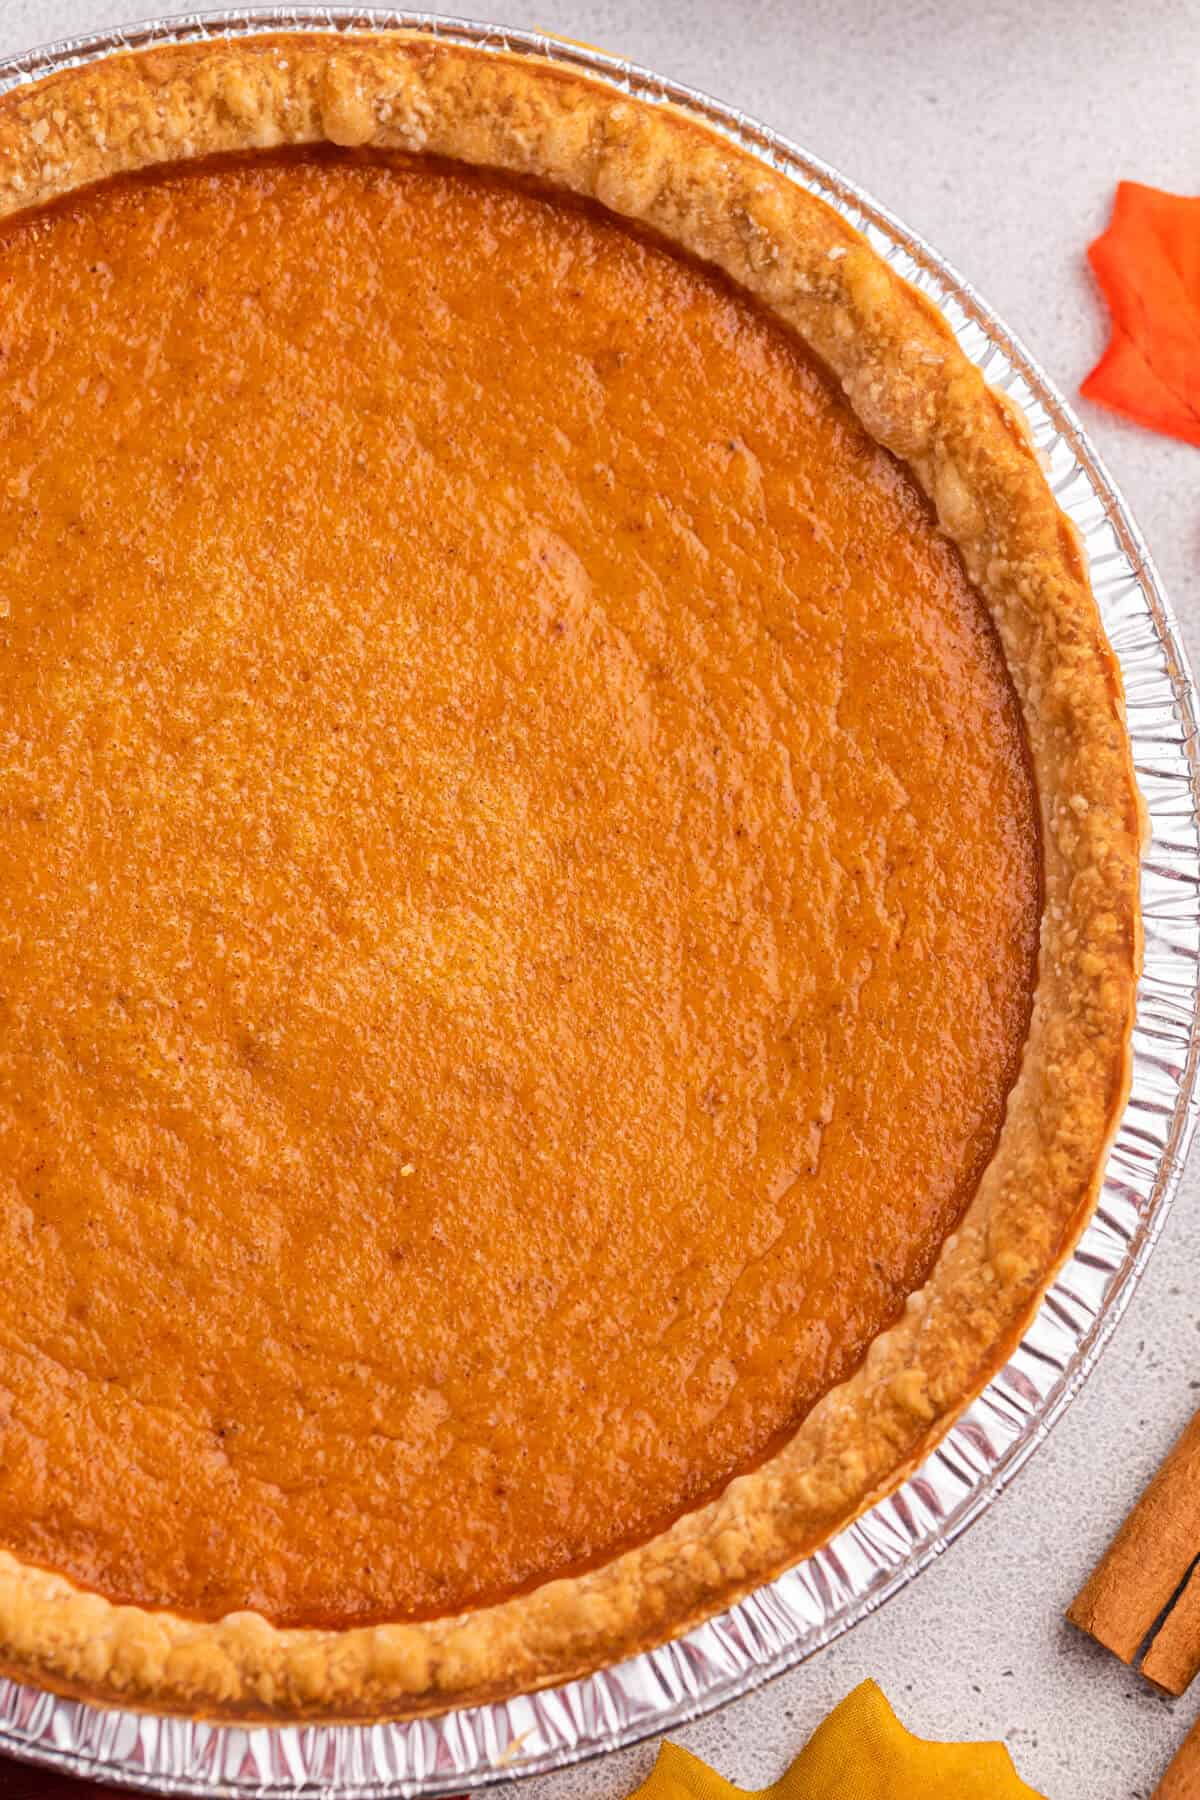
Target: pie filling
519,887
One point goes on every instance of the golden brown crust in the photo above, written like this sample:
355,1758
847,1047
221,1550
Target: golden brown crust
918,394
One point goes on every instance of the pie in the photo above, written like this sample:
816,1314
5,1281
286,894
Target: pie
568,887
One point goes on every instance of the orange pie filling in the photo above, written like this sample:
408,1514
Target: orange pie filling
519,887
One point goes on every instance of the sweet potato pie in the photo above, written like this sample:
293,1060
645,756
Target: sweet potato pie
568,881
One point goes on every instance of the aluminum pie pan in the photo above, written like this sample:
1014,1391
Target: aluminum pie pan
788,1620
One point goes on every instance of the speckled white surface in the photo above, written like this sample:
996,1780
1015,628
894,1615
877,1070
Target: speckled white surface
998,131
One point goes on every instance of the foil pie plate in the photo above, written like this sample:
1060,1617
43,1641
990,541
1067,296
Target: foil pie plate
815,1602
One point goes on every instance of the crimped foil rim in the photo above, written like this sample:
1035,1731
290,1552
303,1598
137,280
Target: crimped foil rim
791,1618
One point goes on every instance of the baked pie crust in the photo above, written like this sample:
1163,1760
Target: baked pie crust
916,393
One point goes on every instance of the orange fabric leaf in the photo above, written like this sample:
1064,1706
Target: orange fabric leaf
1148,264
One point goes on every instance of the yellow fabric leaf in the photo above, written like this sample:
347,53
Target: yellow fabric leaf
860,1752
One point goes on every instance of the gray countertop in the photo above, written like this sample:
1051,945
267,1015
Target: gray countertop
998,131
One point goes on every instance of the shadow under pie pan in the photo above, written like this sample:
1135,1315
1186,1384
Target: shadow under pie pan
779,1624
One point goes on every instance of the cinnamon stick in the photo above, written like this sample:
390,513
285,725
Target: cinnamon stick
1148,1558
1182,1779
1173,1660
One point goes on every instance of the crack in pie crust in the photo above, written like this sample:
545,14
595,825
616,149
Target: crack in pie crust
536,169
